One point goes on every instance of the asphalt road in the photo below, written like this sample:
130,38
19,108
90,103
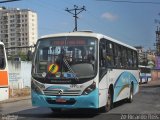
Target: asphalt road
146,106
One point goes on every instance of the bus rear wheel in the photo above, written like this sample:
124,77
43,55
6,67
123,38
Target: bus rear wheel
130,99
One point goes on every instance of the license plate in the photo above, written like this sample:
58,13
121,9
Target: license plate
60,100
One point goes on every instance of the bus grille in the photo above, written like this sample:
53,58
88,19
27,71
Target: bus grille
62,93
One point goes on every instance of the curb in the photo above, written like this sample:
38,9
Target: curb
15,99
155,83
149,86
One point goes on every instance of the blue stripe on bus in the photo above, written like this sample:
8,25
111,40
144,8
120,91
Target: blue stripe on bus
122,82
84,101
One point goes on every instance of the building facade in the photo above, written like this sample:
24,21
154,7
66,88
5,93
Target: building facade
157,44
142,57
146,57
18,28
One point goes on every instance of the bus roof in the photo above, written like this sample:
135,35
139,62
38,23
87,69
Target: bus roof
88,34
1,43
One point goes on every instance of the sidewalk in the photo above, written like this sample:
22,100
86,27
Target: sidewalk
152,83
15,99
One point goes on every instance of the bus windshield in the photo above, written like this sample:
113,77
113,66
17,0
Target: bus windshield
63,59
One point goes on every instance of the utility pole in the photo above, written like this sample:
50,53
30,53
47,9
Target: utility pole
157,44
75,11
158,41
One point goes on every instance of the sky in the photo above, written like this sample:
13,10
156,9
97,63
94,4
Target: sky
131,23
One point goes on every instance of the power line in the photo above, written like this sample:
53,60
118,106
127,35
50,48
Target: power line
127,1
75,12
5,1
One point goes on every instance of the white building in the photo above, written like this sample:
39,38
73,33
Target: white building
18,28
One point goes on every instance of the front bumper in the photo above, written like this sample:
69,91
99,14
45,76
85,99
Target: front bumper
84,101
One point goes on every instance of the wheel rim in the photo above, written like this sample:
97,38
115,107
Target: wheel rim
131,94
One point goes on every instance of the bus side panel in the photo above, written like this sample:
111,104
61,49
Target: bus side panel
120,86
3,78
4,93
123,83
103,91
4,90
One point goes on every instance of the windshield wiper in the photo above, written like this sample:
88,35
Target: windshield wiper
70,69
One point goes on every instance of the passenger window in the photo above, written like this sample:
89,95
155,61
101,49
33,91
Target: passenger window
109,54
118,56
130,59
124,58
135,62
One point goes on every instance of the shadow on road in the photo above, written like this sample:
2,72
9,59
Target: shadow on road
120,103
47,113
41,112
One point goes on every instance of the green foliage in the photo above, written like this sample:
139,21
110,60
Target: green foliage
23,56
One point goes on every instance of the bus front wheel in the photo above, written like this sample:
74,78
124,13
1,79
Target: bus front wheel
109,103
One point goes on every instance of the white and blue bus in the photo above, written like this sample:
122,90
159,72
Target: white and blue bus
145,74
83,70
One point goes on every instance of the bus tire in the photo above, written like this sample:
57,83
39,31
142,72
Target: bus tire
109,103
130,99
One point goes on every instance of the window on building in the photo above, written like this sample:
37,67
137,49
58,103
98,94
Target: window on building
12,43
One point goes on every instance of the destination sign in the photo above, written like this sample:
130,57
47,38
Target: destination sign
68,42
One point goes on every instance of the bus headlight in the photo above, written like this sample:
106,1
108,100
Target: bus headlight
89,89
37,87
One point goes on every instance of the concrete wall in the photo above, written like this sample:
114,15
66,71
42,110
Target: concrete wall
19,74
155,74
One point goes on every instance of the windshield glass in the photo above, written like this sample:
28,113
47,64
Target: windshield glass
66,58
